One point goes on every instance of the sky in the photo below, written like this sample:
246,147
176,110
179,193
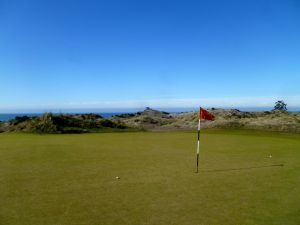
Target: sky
117,54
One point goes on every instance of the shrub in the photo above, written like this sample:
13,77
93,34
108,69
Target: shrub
108,123
73,130
45,124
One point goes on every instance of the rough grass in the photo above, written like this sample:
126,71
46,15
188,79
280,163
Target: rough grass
70,179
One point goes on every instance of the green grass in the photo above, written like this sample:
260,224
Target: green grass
70,179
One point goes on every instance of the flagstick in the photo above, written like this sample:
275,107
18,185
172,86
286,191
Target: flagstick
198,145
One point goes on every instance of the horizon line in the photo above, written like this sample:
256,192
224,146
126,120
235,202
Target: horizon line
131,110
159,103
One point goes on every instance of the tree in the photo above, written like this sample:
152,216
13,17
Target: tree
280,105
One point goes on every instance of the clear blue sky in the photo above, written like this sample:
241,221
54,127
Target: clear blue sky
60,54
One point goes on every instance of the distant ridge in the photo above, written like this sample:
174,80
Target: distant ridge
154,120
225,118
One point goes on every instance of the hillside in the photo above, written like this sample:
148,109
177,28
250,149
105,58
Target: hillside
225,118
155,120
60,123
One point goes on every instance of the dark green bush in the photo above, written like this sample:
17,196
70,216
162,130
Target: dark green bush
73,130
108,123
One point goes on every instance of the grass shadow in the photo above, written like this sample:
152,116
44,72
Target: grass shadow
242,168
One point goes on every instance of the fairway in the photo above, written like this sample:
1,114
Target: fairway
244,178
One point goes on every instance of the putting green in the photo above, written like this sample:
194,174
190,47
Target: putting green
71,179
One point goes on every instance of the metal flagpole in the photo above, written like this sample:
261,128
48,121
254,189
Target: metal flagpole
198,144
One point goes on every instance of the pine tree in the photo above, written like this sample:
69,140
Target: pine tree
280,105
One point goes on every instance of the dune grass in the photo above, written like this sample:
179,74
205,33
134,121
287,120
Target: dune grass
71,179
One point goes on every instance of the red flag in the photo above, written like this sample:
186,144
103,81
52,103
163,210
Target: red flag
205,115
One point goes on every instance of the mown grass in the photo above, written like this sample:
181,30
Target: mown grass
70,179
